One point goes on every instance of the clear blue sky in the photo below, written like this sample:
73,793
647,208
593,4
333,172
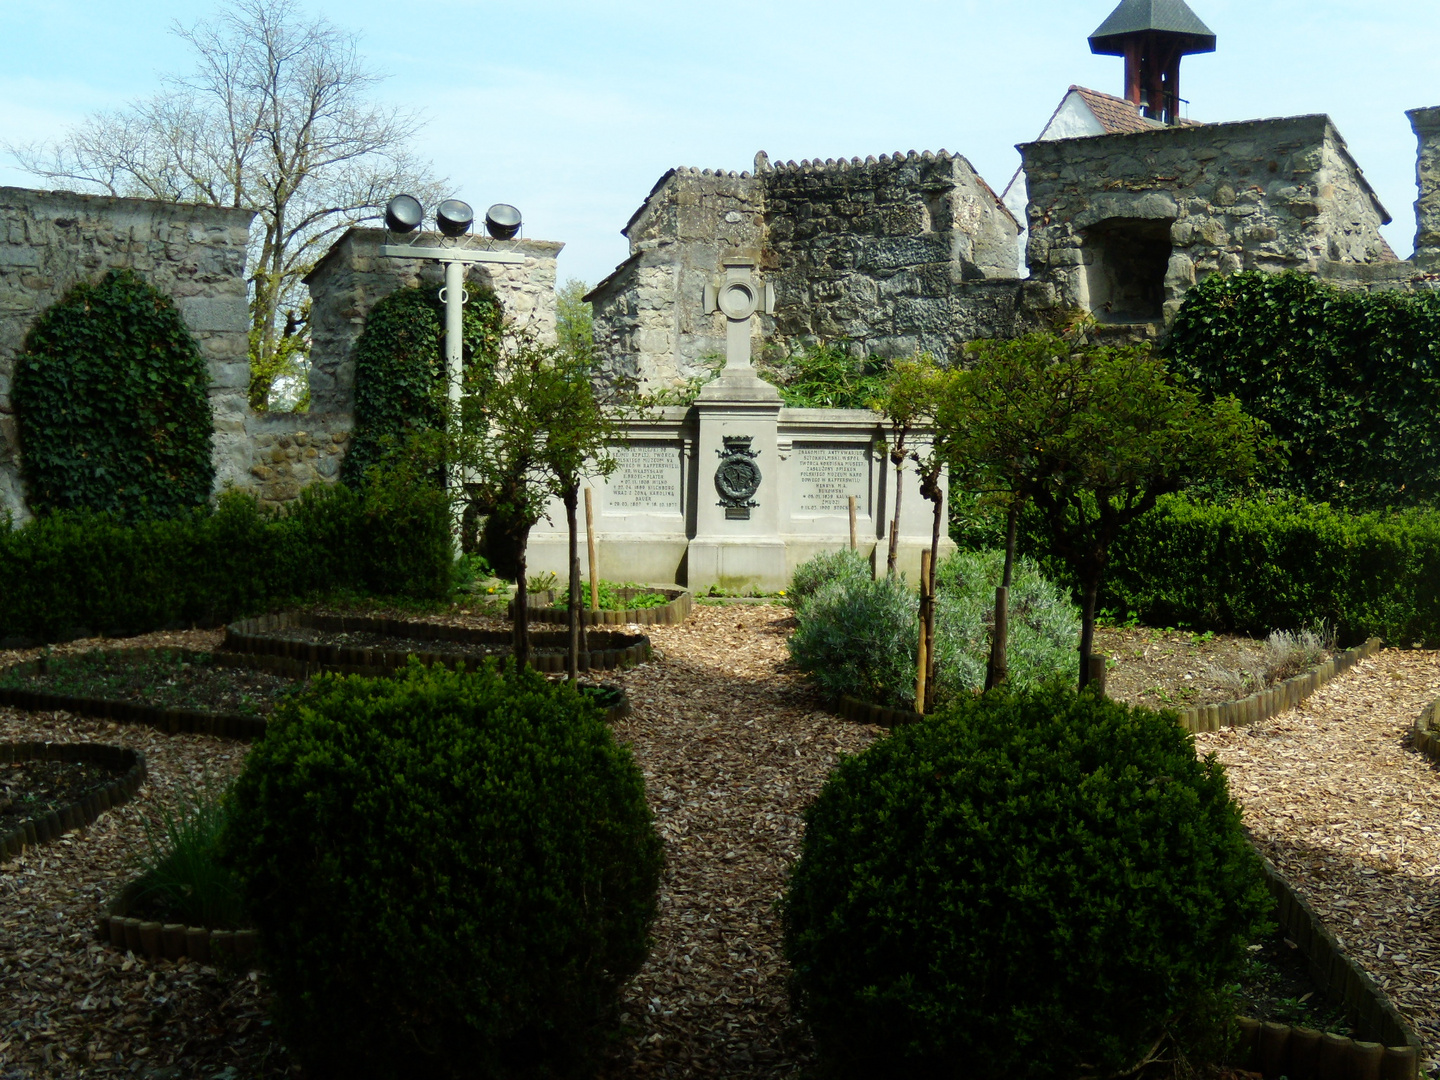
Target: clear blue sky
572,110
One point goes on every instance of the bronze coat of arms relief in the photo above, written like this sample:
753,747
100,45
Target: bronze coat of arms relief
738,477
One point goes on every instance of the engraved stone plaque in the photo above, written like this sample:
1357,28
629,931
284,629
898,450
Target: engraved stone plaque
646,479
826,477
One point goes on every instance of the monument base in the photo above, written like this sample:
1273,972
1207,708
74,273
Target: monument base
737,564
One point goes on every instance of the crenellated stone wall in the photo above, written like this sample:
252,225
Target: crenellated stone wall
1124,225
879,251
52,240
891,254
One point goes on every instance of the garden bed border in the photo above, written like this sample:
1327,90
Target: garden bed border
246,636
170,941
171,721
1426,736
1276,1050
674,613
84,810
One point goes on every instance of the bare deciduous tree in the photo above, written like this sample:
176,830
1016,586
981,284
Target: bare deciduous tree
274,118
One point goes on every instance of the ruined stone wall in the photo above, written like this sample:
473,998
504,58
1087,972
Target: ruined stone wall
650,326
879,252
895,254
51,240
1426,123
354,276
1124,225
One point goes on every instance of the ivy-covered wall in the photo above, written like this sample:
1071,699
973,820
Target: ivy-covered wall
51,240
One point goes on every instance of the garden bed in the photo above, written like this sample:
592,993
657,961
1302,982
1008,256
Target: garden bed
363,645
673,608
48,789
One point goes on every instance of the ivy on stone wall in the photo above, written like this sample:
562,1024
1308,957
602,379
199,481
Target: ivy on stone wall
111,403
1348,381
400,368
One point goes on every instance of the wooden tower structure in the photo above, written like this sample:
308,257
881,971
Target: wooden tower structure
1152,36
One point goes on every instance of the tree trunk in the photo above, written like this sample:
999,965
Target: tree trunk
932,663
998,669
572,498
898,457
1087,629
522,605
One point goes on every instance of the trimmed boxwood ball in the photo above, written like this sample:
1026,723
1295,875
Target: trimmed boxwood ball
1036,884
452,873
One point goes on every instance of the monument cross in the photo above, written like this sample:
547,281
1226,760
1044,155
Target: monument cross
739,295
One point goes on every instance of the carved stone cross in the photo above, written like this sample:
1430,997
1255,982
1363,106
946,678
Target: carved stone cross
740,294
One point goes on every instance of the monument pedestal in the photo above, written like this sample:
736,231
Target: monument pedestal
737,544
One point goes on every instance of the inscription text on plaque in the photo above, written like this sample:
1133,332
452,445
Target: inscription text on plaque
826,477
646,479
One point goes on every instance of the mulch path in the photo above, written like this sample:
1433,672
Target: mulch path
733,744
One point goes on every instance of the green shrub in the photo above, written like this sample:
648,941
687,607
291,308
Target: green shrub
182,879
72,574
1251,566
1347,380
1034,884
859,637
825,376
841,564
111,404
612,599
460,866
1044,636
400,369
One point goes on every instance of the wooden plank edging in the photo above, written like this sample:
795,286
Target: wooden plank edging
83,811
1273,700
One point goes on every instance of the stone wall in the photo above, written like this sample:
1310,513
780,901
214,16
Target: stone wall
874,251
51,240
353,276
1123,225
291,451
894,254
1426,123
650,326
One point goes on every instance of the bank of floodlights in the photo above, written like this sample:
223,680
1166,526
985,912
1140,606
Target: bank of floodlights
453,218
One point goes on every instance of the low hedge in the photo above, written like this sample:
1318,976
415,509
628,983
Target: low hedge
453,874
1254,566
74,574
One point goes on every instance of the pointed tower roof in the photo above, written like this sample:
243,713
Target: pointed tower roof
1143,16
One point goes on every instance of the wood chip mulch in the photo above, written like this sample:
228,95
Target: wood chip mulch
733,744
1349,812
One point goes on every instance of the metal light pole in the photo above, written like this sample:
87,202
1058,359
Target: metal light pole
453,218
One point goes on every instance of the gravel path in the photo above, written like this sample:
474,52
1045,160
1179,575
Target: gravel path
1338,800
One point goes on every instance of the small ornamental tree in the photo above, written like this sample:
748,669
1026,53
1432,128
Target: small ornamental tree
112,406
1092,435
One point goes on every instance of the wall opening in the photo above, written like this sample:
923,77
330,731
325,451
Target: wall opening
1125,264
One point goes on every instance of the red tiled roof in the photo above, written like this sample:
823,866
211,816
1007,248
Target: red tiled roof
1116,115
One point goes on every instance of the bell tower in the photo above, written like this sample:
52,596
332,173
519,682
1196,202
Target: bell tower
1153,35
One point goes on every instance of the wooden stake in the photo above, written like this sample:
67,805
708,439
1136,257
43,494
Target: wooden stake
999,659
854,536
922,665
590,540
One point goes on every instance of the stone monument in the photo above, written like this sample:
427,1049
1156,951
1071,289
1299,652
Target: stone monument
738,490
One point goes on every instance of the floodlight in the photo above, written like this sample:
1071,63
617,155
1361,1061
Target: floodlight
454,217
403,214
502,221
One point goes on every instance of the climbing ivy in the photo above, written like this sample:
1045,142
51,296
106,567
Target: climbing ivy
111,404
1348,381
400,368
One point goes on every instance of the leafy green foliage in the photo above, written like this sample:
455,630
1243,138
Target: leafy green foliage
825,376
182,879
400,369
1091,436
575,319
460,865
110,397
76,573
810,576
1250,566
1348,381
617,596
1036,885
858,637
1044,624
